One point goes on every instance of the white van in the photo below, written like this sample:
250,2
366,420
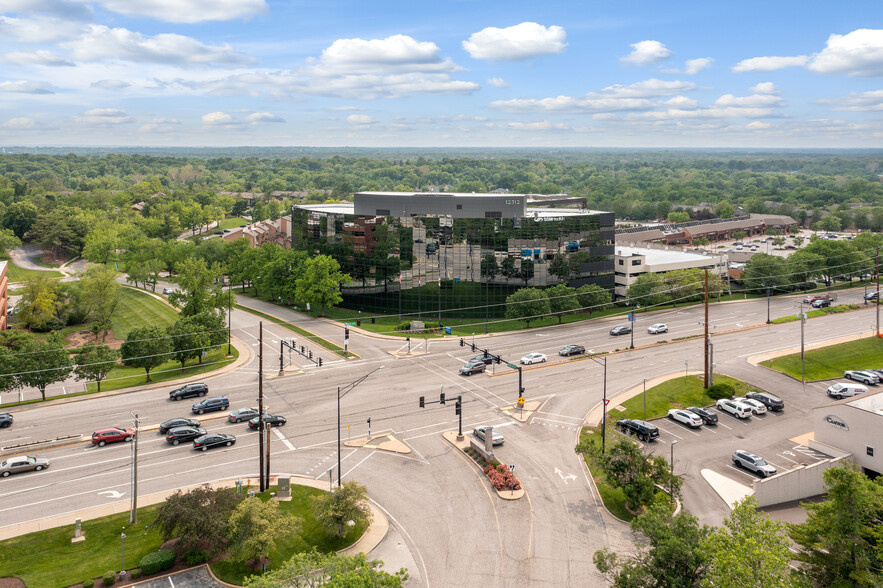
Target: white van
846,390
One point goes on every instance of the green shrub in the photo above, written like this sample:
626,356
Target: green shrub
157,561
109,578
718,391
136,573
194,557
90,583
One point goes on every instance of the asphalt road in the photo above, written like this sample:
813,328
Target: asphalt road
456,531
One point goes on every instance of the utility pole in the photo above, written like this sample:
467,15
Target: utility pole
707,337
261,404
133,516
802,358
267,433
877,268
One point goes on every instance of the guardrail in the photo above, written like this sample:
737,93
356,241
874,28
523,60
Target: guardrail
44,444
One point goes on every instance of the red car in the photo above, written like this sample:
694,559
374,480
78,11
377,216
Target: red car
102,437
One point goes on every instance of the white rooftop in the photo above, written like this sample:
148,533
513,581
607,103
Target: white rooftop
349,208
663,256
871,402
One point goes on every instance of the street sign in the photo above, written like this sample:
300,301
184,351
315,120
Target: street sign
511,468
521,401
352,324
514,367
632,317
606,401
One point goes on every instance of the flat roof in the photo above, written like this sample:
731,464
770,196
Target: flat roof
871,402
662,256
349,208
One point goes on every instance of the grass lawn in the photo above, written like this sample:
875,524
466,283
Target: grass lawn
311,535
17,274
232,223
830,362
818,312
126,377
139,309
613,498
675,393
48,558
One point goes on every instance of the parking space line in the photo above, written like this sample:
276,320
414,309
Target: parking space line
778,467
671,433
683,429
788,458
741,471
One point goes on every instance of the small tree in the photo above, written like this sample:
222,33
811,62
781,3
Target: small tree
45,363
330,570
39,301
560,267
527,304
627,467
489,267
320,284
255,527
348,502
199,517
101,293
146,347
94,362
507,268
593,297
188,340
527,271
562,299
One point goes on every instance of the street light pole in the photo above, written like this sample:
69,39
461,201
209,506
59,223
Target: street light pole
671,473
346,389
134,514
123,555
604,417
229,311
768,321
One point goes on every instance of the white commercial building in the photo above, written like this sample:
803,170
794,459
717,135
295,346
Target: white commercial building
853,426
630,262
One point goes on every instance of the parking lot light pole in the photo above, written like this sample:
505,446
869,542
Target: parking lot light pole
341,392
768,321
671,482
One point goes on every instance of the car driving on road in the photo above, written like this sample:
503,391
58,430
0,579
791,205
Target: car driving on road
657,328
172,423
102,437
5,420
212,404
213,440
473,367
189,391
708,416
737,409
868,378
754,463
22,463
478,433
568,350
486,359
532,358
685,417
272,420
243,414
621,330
179,434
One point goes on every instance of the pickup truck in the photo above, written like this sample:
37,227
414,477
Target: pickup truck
642,429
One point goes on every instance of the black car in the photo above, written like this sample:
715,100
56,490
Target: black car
821,303
213,440
189,391
178,434
571,350
486,359
172,423
272,420
644,430
770,401
708,416
214,403
871,295
620,331
473,367
5,420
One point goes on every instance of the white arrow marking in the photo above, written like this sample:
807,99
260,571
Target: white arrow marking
112,493
566,478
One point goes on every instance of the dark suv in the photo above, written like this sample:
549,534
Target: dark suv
189,391
645,431
211,404
771,402
5,419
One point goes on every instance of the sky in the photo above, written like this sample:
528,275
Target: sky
452,73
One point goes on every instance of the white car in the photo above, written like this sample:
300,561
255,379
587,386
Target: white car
685,417
757,407
532,358
862,376
657,328
478,433
168,291
737,409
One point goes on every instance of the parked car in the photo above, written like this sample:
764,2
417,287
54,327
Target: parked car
472,367
645,431
532,358
868,378
211,404
657,328
213,440
272,420
168,291
478,433
102,437
485,359
568,350
189,391
737,409
821,303
243,414
810,298
178,434
872,295
708,416
5,420
752,462
757,407
181,422
621,330
845,390
23,463
770,401
685,417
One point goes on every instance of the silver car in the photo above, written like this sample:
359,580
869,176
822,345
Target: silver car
752,462
478,433
23,463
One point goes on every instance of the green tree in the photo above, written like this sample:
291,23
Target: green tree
839,543
765,271
39,301
527,304
19,217
147,348
627,467
593,297
255,529
45,363
803,266
348,502
507,268
489,267
678,217
312,569
320,282
199,517
200,287
8,240
527,271
101,295
667,553
749,550
560,267
562,299
725,210
829,222
94,362
648,290
188,340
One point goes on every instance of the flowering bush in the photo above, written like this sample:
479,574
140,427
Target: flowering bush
501,477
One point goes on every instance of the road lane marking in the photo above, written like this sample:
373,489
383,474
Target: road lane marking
282,438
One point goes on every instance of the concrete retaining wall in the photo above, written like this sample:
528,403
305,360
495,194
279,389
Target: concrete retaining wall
801,482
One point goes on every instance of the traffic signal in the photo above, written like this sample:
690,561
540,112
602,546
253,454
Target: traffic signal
462,342
422,402
320,362
346,332
497,359
473,346
311,354
358,322
457,408
521,392
372,320
441,398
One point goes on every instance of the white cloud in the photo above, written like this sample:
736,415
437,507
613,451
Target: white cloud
756,124
638,96
110,84
20,124
38,29
187,11
646,53
540,125
753,101
870,101
694,66
60,8
39,57
104,117
769,63
682,102
859,53
498,82
100,43
264,117
225,119
360,119
382,54
217,119
766,88
160,125
522,41
344,108
27,87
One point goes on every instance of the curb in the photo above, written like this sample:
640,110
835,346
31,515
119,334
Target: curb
451,437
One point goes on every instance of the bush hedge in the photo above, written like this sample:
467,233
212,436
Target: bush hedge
136,573
718,391
194,557
109,578
157,561
90,583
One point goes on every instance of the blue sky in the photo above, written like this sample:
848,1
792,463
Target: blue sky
461,73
